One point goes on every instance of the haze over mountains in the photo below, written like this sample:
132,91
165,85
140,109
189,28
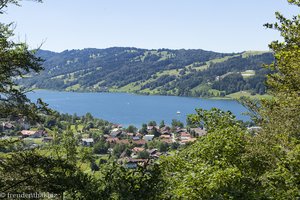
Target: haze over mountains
163,71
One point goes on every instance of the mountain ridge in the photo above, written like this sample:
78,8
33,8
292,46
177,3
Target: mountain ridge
192,72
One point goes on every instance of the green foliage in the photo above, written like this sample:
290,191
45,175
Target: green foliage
176,123
143,130
86,155
212,119
30,172
94,166
155,132
119,149
232,163
152,123
16,61
100,147
131,129
69,143
143,154
157,144
142,183
210,168
162,124
22,169
281,116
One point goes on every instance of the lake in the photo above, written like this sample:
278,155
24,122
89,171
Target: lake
126,109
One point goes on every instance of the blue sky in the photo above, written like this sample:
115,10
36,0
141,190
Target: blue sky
223,26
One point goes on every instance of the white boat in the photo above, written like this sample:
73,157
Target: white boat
178,112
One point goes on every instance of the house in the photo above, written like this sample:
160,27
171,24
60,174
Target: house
179,130
112,140
130,135
7,125
122,141
132,163
185,141
198,132
168,141
152,152
165,130
139,135
32,134
137,150
136,138
164,136
148,137
117,126
139,142
115,132
185,136
87,141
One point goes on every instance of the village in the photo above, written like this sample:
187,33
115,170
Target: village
130,147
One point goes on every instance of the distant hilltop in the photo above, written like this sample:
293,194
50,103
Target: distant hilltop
192,72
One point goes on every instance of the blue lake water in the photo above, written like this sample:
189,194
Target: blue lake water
126,109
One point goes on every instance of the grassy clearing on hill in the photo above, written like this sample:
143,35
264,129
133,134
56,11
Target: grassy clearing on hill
238,95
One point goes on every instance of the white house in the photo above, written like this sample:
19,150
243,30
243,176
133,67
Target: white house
32,134
148,137
87,141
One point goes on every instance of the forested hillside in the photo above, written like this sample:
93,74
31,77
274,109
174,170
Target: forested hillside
168,72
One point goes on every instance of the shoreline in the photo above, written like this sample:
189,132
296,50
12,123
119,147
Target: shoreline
233,96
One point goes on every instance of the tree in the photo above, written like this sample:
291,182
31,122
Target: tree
155,132
31,172
69,144
211,167
16,60
140,183
176,123
174,145
144,129
162,124
100,147
119,149
143,154
282,113
163,147
131,129
152,123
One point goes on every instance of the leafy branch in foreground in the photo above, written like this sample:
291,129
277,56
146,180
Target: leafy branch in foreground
16,61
